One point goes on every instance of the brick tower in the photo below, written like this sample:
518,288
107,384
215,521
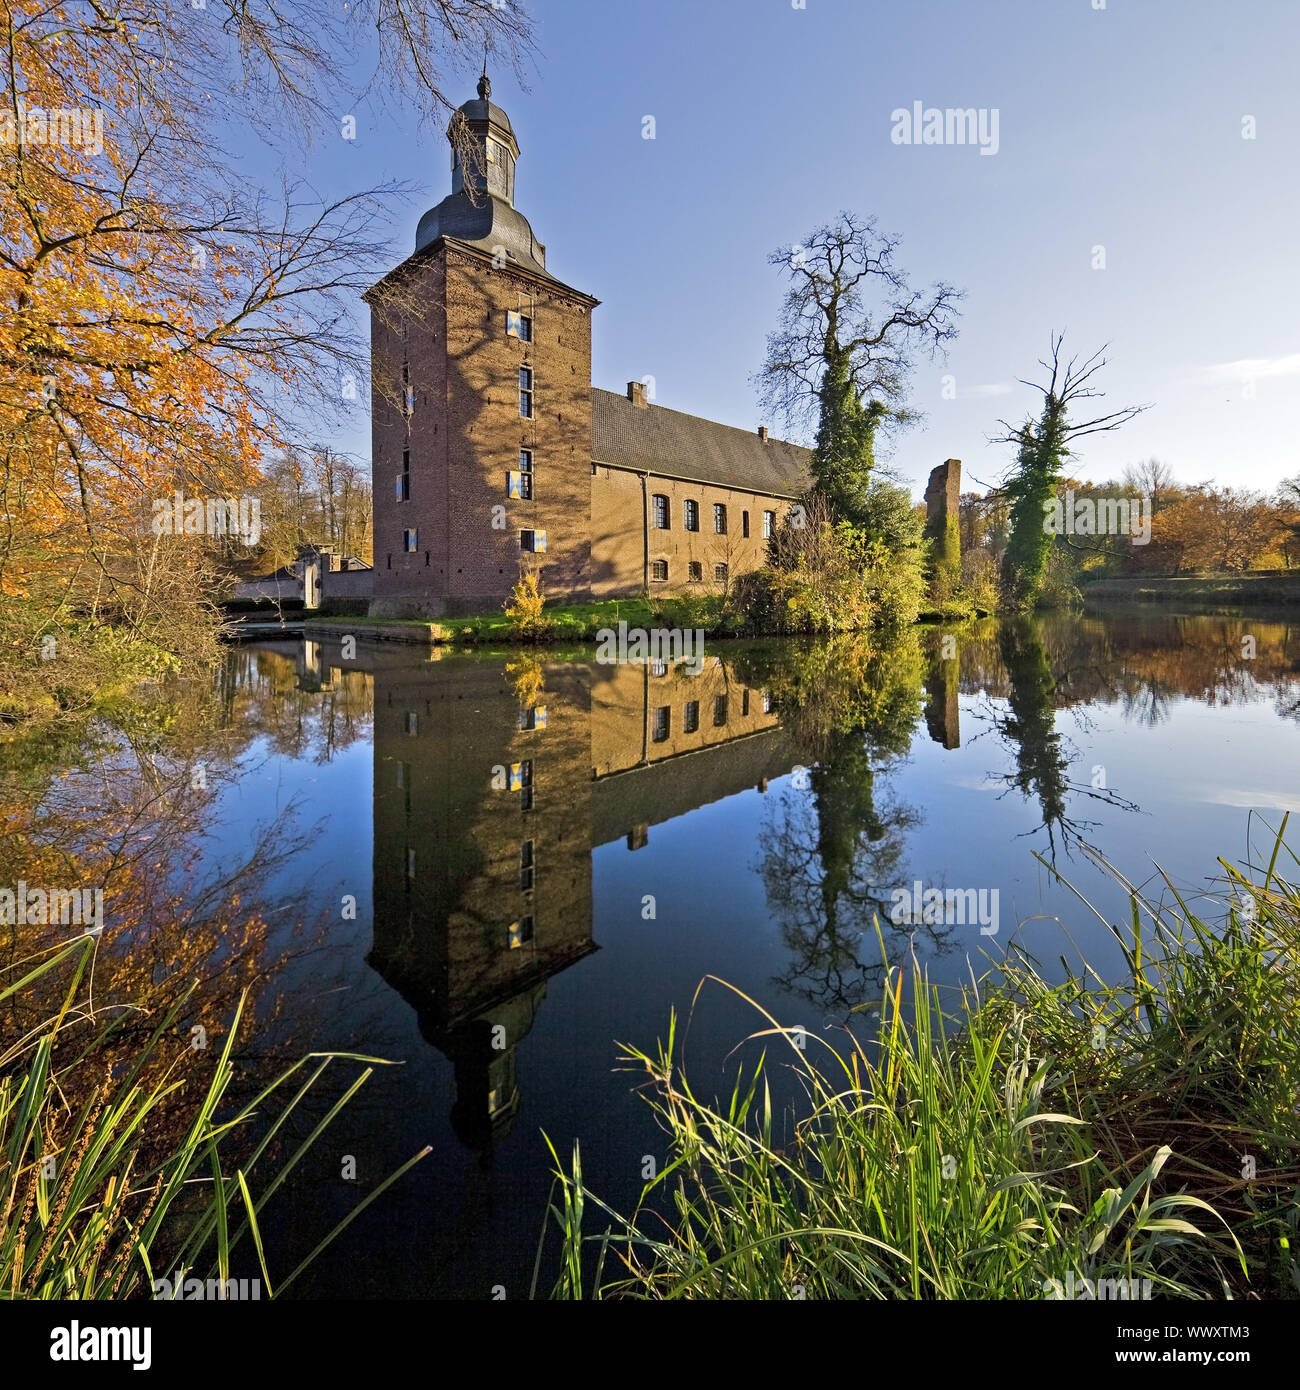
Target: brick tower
480,398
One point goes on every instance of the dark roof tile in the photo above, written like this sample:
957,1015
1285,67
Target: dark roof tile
676,445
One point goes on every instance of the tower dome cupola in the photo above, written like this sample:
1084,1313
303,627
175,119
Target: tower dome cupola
480,209
492,139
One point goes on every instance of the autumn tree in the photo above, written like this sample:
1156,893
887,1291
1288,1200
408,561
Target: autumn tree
1221,528
165,323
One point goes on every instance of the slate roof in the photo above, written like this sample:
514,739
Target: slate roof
486,224
676,445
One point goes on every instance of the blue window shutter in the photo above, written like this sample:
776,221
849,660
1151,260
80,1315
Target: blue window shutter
539,540
513,488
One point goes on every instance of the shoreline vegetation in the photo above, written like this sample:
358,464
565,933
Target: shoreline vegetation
1024,1140
127,1162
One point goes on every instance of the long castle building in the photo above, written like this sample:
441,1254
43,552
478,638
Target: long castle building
493,452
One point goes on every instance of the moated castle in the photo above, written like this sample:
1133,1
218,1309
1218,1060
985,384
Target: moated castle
492,449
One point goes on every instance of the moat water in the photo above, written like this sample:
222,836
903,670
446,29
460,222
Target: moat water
492,869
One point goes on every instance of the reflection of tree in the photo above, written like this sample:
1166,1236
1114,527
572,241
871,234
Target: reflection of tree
267,691
833,848
830,859
130,810
1028,724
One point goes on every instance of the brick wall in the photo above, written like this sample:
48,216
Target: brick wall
466,432
618,538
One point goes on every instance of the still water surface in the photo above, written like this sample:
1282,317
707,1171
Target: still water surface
547,856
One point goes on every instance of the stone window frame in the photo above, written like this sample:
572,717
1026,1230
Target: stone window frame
719,518
659,571
690,514
661,511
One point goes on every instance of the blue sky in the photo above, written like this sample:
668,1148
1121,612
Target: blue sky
1119,127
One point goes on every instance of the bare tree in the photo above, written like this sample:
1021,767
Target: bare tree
1043,446
1152,479
826,318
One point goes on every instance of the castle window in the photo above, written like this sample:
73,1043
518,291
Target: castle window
403,487
719,519
520,484
720,573
412,540
534,542
658,669
663,724
412,723
691,514
769,525
526,392
408,401
719,711
694,571
744,525
691,717
768,703
659,570
659,511
521,932
526,866
519,326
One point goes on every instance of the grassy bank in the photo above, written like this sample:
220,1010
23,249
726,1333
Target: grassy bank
1012,1142
569,622
1232,590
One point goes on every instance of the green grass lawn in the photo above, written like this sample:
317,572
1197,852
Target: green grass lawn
576,622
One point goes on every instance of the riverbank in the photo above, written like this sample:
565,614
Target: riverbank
568,622
1227,590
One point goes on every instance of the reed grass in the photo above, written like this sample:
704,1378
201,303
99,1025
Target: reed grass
1012,1143
151,1172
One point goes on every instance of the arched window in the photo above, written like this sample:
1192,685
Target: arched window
659,510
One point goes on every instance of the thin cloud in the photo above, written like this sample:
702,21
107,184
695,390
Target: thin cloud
996,388
1253,368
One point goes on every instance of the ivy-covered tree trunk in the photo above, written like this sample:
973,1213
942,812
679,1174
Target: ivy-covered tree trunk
844,450
1042,450
1039,464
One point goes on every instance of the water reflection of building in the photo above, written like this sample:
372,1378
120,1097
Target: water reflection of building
488,801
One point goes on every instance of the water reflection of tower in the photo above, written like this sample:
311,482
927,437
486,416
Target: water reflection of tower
482,868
